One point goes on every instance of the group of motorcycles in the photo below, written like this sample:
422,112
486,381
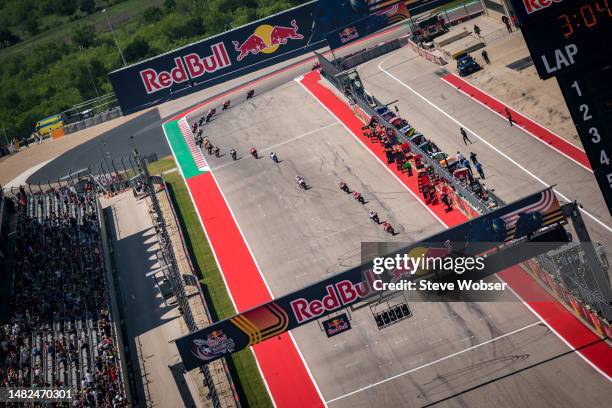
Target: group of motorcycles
300,181
373,214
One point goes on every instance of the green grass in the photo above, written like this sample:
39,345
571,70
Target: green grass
118,15
451,5
161,165
242,364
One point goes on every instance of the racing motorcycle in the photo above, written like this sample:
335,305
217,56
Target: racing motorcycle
374,217
357,195
226,105
250,93
301,182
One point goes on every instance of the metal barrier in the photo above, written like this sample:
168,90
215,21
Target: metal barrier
94,120
371,53
333,73
461,190
587,281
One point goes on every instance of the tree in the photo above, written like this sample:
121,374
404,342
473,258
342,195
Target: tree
84,35
7,38
153,15
31,25
88,6
65,7
169,5
136,50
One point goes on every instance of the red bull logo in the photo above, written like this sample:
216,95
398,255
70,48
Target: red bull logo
532,6
337,325
215,344
348,34
266,39
188,67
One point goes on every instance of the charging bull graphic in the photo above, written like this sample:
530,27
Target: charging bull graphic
267,39
217,344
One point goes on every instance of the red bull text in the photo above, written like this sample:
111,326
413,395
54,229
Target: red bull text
188,67
339,295
531,6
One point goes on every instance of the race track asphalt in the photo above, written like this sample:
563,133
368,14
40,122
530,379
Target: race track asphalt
148,138
146,128
467,354
529,163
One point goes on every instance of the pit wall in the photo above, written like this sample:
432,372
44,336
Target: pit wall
558,289
564,297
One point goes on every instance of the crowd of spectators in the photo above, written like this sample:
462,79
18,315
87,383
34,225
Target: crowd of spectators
59,332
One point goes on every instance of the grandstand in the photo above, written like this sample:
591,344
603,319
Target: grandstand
58,330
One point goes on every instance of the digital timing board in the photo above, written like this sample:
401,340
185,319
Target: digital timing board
572,41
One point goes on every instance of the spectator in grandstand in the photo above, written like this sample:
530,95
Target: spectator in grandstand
58,294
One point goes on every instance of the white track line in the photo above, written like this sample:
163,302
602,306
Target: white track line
589,362
269,148
501,153
531,174
522,114
412,370
446,226
298,79
520,127
195,207
262,278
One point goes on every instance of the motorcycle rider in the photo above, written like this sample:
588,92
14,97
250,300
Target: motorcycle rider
374,216
274,157
254,152
300,181
217,151
344,187
250,93
388,228
210,114
233,153
357,195
226,104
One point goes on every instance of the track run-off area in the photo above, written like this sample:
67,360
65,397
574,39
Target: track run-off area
518,351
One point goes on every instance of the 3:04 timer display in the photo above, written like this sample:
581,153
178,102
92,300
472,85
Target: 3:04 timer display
587,16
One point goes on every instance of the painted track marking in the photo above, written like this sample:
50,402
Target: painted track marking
501,153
